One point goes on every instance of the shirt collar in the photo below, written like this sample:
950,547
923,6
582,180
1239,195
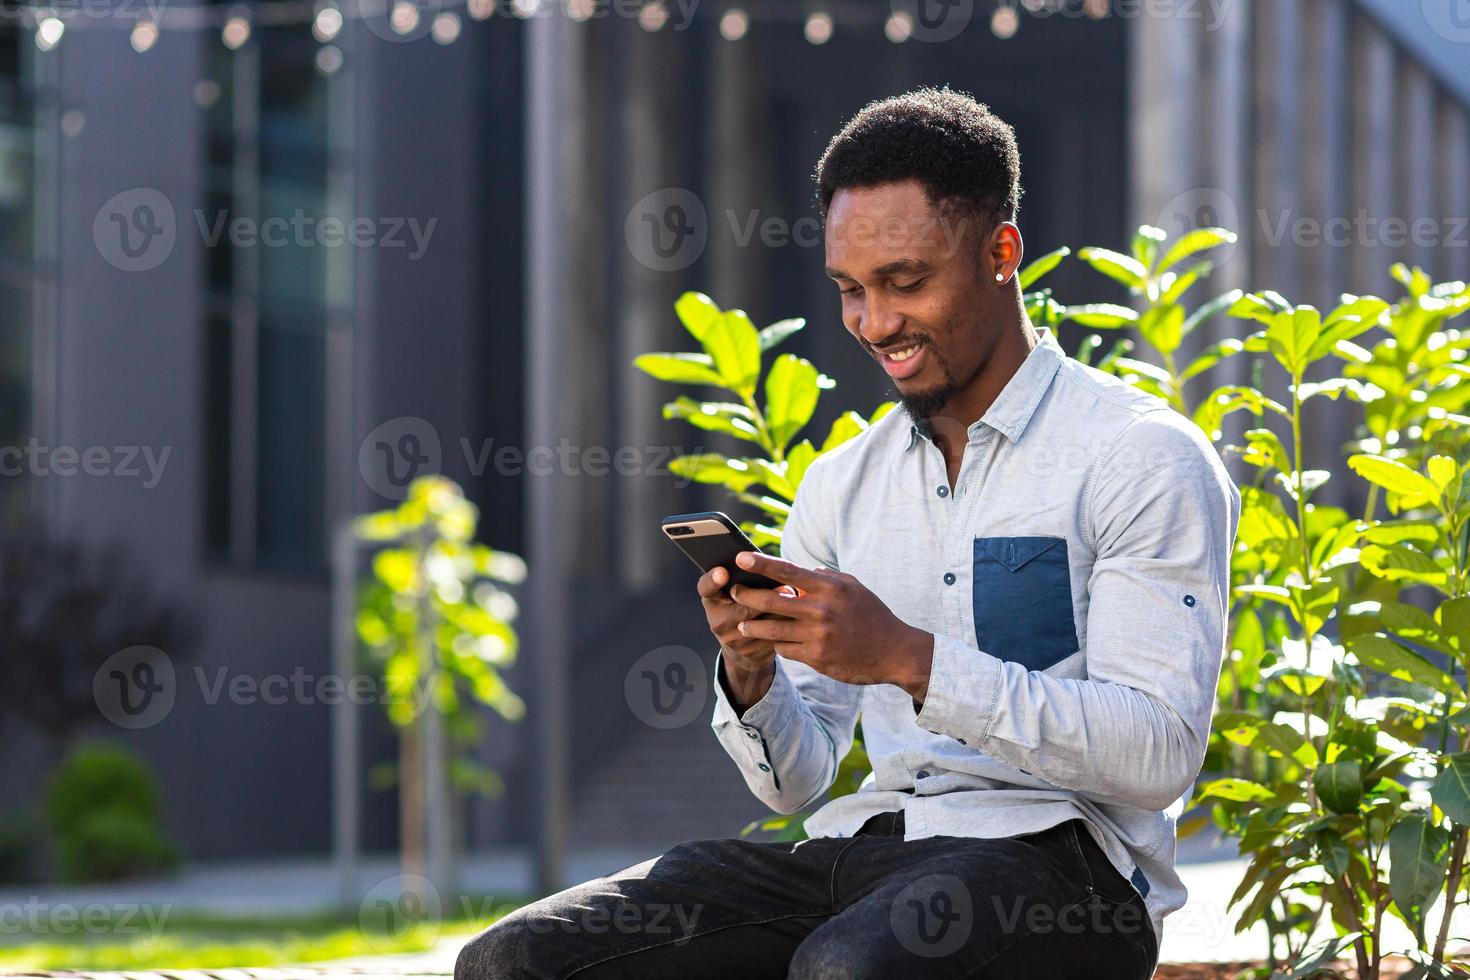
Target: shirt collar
1017,401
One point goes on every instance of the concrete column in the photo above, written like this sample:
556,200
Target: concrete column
1417,221
1225,159
1324,147
1163,119
651,281
1275,154
1452,180
1372,135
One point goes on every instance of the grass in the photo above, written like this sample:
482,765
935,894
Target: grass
159,937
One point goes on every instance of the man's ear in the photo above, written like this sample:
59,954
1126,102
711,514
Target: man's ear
1004,252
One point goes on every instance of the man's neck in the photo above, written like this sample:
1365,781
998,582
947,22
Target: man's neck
970,404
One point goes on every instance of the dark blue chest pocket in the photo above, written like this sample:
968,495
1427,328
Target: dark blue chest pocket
1023,600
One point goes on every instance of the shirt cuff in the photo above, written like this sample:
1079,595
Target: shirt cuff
745,737
964,687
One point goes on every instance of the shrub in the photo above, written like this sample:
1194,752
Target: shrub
103,816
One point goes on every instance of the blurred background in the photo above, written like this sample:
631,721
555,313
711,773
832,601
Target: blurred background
264,264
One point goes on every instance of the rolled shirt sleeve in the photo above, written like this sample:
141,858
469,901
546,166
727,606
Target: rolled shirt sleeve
788,744
1161,514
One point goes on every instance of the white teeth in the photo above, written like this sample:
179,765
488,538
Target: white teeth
904,355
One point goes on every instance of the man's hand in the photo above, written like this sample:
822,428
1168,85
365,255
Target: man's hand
749,663
835,625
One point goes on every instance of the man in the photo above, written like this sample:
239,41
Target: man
1020,582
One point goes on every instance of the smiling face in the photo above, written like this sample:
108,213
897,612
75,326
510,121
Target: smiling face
919,289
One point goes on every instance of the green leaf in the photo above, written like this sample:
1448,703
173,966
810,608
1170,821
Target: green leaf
1192,242
695,369
1451,788
1115,265
1035,270
1101,316
734,345
779,331
1395,476
791,397
1378,652
698,313
844,427
1418,852
1162,326
798,458
1235,790
714,468
1217,352
728,417
1339,785
1146,242
1210,309
1291,335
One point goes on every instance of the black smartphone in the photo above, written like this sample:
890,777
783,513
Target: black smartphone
711,539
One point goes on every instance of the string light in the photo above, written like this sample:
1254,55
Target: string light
144,35
327,24
899,27
329,59
734,23
446,27
1005,21
653,16
237,29
327,18
818,28
49,31
404,18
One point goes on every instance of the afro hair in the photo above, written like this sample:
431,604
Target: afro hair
963,154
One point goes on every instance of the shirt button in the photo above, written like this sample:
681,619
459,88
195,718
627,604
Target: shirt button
1189,600
922,774
752,734
949,578
763,767
942,490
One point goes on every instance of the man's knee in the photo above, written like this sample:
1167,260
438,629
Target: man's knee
832,956
512,947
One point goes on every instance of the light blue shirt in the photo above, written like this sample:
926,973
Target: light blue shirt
1076,580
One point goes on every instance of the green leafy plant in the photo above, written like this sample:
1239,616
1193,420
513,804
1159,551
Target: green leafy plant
104,816
435,626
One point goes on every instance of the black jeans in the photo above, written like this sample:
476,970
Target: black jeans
1046,905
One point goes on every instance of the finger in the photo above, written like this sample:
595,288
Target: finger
712,583
786,631
768,600
805,579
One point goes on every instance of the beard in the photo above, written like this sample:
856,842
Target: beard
924,404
